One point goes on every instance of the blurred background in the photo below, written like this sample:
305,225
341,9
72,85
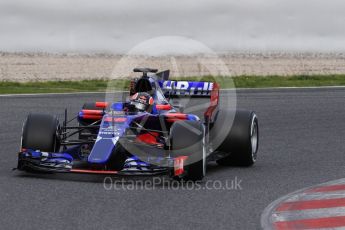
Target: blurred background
223,25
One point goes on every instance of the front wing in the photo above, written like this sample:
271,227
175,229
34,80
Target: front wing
31,160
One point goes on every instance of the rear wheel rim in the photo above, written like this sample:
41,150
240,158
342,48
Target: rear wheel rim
204,157
254,137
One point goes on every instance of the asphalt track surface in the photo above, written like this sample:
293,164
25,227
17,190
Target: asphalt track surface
301,144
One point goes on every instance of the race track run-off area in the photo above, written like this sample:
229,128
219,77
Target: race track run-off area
301,146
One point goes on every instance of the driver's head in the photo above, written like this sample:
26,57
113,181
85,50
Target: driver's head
141,101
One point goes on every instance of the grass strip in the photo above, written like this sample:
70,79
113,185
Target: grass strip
8,87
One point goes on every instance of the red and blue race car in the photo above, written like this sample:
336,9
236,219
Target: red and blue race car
146,134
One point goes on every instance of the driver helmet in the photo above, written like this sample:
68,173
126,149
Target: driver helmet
141,101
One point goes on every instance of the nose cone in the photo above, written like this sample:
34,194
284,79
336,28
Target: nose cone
102,150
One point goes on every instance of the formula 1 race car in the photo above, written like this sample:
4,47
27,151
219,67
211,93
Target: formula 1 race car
145,134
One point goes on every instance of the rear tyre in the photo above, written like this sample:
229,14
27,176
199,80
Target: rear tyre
242,142
41,132
188,139
88,133
91,106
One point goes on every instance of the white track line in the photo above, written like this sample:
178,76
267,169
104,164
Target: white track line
289,87
45,94
316,196
308,214
237,89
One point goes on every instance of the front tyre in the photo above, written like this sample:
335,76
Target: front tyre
117,159
41,132
188,139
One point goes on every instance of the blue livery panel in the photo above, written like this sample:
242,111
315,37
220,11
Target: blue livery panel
108,135
187,88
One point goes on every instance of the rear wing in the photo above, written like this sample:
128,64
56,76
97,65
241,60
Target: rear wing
187,88
194,89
